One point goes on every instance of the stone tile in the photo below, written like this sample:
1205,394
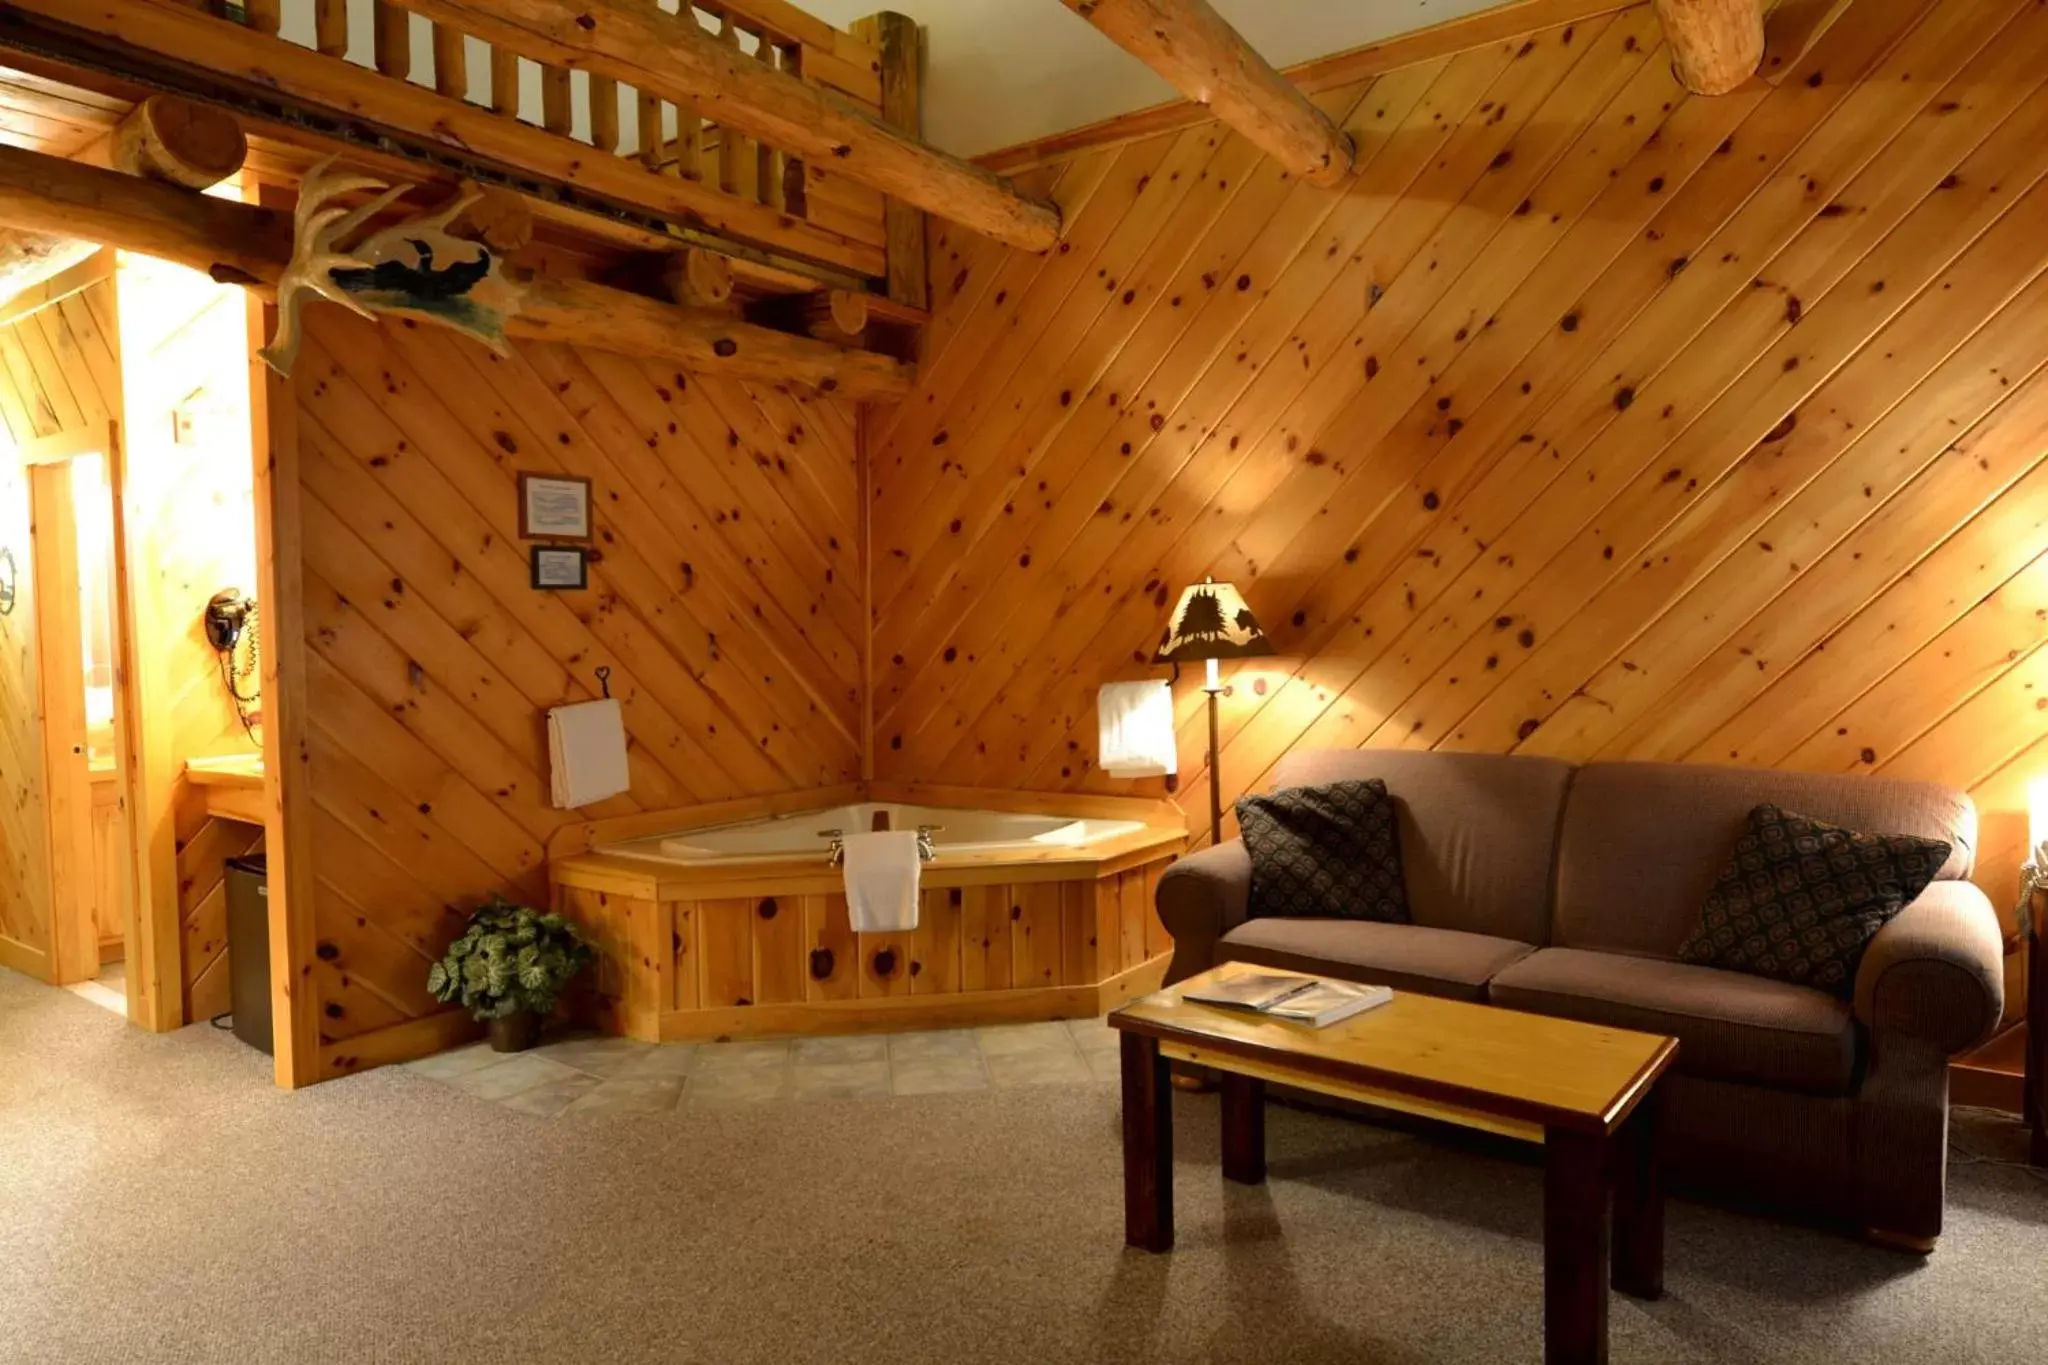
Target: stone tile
669,1059
1008,1039
1044,1067
444,1066
626,1096
1093,1035
840,1081
756,1055
934,1045
597,1055
840,1050
520,1071
550,1098
720,1089
938,1076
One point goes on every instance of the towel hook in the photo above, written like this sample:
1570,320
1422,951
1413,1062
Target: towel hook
604,679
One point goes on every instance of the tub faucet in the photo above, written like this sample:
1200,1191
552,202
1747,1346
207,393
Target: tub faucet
835,853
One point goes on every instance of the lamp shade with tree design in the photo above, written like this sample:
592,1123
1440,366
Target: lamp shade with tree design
1211,621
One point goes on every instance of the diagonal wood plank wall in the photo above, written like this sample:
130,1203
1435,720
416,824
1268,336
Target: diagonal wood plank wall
723,597
1594,420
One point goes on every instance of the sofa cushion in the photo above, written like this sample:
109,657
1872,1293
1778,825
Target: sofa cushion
1408,957
1800,899
1729,1026
1478,831
1331,852
1643,843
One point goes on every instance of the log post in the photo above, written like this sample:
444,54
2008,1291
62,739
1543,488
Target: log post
696,278
673,57
170,140
176,141
1207,60
902,48
1716,45
500,219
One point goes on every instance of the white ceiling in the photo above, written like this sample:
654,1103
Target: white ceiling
1000,72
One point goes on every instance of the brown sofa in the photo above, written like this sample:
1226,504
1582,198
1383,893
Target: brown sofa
1562,890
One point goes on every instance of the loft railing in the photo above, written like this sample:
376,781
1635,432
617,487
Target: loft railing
773,198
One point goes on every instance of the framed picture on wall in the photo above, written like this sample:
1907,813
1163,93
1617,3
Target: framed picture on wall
560,568
554,507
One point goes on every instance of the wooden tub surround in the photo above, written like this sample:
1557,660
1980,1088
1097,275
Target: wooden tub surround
762,949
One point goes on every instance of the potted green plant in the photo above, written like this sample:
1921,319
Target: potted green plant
508,968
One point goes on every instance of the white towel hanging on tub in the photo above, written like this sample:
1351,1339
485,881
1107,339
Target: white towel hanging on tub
587,753
882,871
1136,720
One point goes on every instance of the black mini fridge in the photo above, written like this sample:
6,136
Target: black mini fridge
249,949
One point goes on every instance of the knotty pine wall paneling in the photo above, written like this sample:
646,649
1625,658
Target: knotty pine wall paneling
724,596
1592,420
191,532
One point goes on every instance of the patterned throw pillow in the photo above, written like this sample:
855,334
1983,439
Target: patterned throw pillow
1800,899
1328,852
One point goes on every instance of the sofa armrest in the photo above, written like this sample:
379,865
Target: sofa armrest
1201,898
1937,971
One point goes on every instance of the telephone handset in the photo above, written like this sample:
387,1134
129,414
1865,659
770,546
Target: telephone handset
231,628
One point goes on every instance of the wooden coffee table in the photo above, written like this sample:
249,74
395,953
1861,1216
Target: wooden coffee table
1586,1093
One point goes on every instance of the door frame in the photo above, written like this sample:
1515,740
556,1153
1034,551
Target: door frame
153,948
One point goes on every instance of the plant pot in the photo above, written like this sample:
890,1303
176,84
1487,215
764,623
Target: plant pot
515,1032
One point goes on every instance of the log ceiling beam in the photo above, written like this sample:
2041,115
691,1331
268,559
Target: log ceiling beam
163,138
250,246
1207,60
1716,45
673,57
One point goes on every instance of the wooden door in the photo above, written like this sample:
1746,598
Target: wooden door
67,769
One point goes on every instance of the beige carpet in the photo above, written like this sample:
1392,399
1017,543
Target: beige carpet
159,1201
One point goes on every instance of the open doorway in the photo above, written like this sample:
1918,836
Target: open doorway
72,513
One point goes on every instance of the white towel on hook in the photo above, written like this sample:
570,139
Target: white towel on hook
587,753
882,871
1136,720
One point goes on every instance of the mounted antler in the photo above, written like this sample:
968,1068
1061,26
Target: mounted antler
416,266
317,230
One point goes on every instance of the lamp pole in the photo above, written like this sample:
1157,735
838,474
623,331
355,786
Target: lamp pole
1214,687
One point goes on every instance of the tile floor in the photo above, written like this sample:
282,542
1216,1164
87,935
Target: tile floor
581,1076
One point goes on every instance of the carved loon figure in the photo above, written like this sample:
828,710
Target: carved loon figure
420,281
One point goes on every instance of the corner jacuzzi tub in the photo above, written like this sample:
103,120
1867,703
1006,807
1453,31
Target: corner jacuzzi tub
810,834
708,928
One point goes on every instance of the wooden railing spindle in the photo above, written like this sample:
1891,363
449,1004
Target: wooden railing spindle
768,171
265,16
557,100
739,170
451,62
604,114
330,27
505,82
392,32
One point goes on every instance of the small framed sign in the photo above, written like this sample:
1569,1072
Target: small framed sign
554,507
560,568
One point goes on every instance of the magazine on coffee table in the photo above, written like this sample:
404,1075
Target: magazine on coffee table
1314,1001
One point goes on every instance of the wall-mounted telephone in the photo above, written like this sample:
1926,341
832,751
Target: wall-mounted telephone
231,628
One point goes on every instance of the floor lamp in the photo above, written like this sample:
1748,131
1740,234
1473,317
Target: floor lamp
1209,623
